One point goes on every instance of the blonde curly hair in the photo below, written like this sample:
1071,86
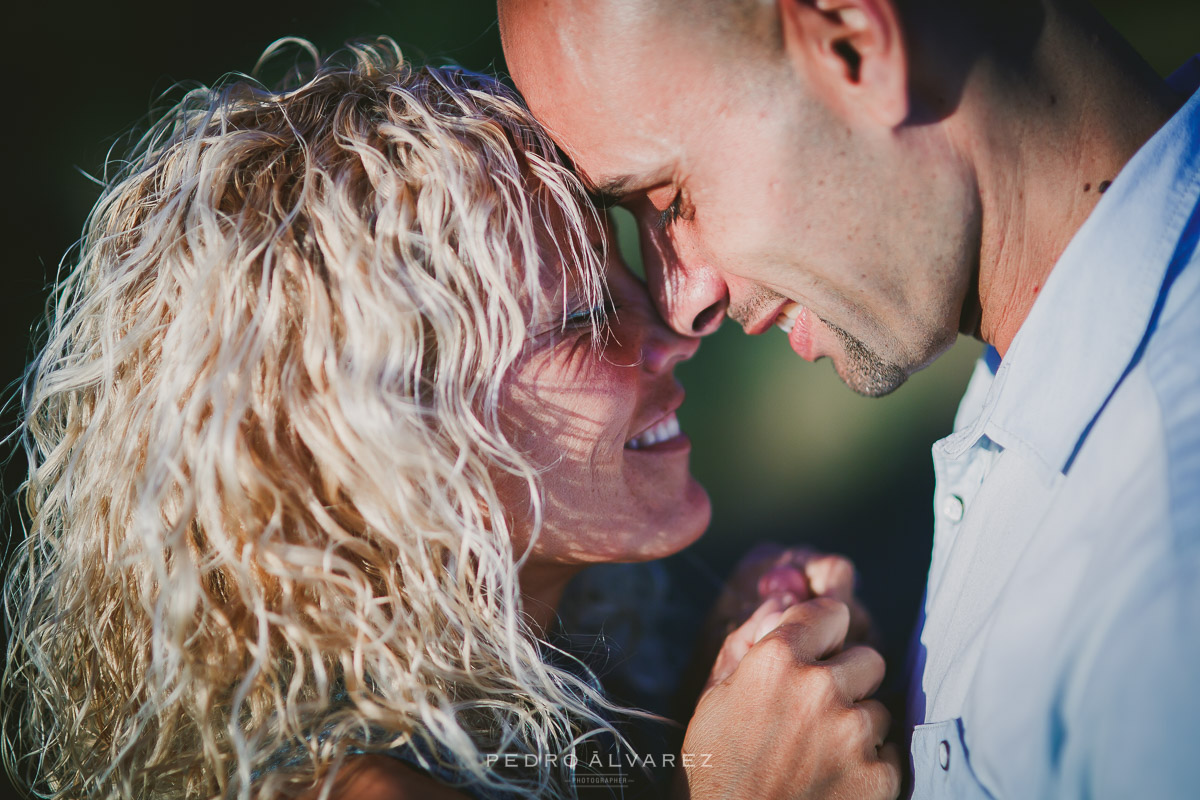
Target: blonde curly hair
264,442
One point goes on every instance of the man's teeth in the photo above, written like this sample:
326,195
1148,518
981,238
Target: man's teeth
667,429
787,317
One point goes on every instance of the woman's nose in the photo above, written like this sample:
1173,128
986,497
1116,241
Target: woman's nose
663,348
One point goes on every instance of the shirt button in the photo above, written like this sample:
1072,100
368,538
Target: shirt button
953,507
944,754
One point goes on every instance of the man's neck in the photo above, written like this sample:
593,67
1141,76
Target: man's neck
1047,140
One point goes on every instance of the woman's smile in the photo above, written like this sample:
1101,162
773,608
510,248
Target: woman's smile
663,435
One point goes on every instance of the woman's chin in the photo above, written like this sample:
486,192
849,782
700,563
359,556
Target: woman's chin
638,532
677,527
699,511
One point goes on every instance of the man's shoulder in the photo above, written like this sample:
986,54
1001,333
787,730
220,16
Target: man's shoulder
1171,368
1136,478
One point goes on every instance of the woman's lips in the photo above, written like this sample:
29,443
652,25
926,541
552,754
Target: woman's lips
662,435
796,321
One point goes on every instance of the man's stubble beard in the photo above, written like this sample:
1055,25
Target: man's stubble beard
864,370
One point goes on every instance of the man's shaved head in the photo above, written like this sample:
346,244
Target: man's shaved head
722,18
731,32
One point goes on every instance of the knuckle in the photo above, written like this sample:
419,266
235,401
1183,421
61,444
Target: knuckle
871,660
804,620
875,711
833,612
863,727
831,605
769,654
873,719
820,683
816,608
849,726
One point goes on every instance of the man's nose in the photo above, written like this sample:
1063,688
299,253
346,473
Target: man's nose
691,296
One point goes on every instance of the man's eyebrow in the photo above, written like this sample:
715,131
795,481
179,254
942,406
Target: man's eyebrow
612,191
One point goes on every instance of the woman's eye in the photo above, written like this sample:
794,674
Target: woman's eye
601,313
578,317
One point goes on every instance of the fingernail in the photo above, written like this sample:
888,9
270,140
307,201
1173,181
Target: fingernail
768,624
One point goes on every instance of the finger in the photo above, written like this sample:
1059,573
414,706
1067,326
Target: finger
815,629
765,619
831,576
888,772
877,721
761,557
857,671
739,596
735,649
784,579
834,576
861,631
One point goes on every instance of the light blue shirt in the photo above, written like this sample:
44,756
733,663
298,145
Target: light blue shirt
1060,650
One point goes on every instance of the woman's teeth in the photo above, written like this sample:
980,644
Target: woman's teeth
667,429
787,317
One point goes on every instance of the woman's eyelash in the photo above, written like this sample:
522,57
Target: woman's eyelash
584,316
671,212
580,316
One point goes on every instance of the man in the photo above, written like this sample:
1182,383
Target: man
875,176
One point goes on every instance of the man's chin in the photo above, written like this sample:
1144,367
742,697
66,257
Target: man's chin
873,384
863,370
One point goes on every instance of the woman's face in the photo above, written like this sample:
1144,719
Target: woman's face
598,419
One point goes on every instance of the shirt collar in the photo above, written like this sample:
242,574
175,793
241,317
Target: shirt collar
1098,304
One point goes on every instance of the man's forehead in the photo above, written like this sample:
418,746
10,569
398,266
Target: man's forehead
599,84
550,41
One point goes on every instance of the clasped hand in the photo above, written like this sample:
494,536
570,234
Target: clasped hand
787,710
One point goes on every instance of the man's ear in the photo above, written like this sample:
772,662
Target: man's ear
853,52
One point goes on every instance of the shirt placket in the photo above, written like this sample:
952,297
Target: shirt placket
959,474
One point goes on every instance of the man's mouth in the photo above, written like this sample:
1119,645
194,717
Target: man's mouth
664,430
795,320
787,317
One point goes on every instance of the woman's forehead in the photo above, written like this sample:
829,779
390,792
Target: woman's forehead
571,263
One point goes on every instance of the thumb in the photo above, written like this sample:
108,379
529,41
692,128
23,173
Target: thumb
765,619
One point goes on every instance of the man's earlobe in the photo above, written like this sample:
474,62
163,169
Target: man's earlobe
854,53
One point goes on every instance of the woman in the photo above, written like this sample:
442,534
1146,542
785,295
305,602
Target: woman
332,406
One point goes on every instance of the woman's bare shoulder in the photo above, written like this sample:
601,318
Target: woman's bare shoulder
376,777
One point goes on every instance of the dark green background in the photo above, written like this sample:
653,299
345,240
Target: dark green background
785,451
